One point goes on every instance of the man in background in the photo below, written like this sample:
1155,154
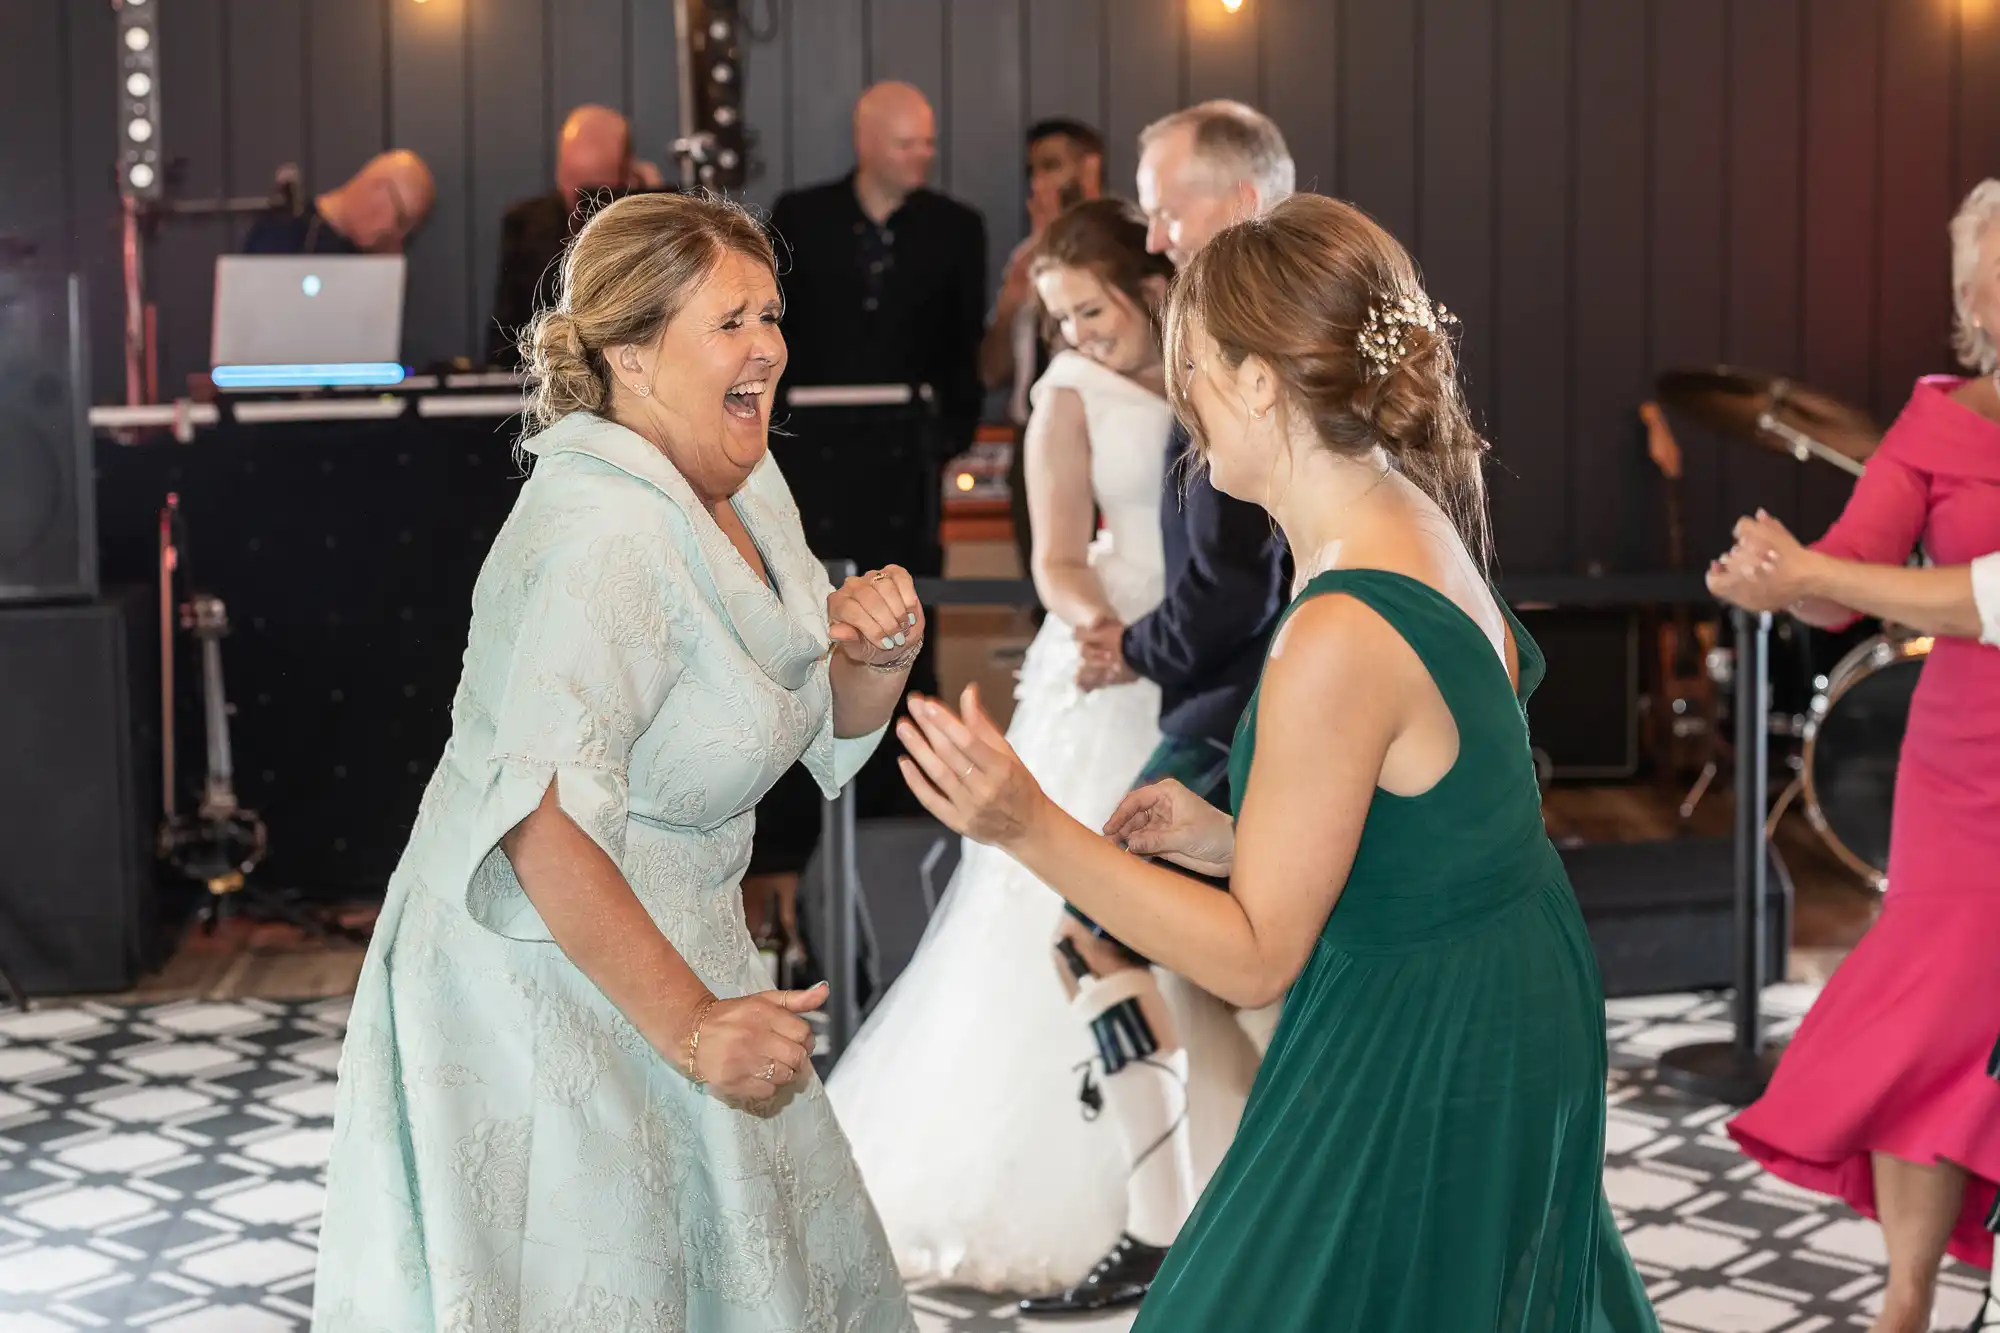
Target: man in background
885,278
594,164
1065,167
372,214
884,282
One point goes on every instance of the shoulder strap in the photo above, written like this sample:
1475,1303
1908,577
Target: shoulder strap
1452,647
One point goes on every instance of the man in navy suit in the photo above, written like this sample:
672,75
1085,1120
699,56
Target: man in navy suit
1227,572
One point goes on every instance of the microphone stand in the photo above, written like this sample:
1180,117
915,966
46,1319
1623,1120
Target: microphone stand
1737,1071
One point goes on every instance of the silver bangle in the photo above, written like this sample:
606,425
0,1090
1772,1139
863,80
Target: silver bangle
895,665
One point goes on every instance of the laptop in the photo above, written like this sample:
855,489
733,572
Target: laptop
284,321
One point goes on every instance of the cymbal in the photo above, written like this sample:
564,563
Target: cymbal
1776,413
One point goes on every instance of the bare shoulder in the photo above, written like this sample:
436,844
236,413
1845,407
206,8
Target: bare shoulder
1336,642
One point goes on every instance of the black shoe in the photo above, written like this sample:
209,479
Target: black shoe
1120,1278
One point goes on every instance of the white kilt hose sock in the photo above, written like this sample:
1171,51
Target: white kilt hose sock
1145,1073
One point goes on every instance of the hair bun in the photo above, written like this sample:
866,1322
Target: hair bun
1404,404
562,372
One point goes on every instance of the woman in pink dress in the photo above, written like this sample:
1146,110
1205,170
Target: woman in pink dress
1883,1098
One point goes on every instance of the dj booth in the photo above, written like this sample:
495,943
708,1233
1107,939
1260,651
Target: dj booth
344,534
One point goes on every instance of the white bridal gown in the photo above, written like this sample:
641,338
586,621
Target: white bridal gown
960,1093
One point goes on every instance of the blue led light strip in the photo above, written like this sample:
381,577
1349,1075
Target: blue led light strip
363,373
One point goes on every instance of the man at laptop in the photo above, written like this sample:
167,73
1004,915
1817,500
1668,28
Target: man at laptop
373,214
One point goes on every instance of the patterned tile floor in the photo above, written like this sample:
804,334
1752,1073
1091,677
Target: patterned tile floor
160,1169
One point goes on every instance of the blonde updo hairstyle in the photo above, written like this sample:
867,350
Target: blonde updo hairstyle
625,276
1980,210
1295,287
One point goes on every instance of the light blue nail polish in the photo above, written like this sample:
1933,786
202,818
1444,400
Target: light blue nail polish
888,642
912,618
900,641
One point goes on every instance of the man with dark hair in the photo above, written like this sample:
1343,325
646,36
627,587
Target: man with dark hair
1065,166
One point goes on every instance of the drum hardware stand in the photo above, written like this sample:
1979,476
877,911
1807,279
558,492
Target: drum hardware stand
1737,1071
221,843
1801,446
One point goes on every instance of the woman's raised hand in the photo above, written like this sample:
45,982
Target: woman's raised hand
1166,819
876,620
964,772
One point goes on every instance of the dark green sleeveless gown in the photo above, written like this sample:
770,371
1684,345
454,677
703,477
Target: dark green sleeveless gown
1423,1149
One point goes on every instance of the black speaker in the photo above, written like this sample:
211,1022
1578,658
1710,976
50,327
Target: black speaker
77,789
1662,915
1585,716
48,537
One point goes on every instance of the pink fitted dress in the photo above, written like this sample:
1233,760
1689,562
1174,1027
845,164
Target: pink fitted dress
1893,1056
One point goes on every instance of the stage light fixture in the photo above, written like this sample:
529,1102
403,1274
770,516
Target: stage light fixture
1232,5
712,144
139,174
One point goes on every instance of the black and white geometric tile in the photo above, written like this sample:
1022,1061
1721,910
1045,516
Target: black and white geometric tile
161,1169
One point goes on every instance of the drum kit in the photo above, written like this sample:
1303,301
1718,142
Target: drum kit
1848,720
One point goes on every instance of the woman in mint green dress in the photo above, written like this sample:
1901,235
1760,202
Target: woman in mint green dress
1423,1149
568,1101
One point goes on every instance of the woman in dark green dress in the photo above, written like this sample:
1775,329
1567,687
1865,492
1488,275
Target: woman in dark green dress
1423,1149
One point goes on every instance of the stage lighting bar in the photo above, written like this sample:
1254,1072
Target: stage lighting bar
140,165
713,145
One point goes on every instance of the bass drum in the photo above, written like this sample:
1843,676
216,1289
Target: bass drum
1854,738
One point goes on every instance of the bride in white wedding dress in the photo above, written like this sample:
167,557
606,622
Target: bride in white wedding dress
961,1094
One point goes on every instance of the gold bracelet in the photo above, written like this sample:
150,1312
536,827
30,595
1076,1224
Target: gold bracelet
694,1040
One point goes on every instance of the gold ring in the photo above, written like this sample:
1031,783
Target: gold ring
968,771
770,1074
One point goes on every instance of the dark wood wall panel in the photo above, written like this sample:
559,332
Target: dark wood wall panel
906,41
429,112
1378,112
1532,500
653,73
1065,62
1614,503
1842,227
827,59
1918,195
509,121
1454,240
34,65
1689,73
346,82
1223,51
264,116
1765,230
1603,189
1978,74
986,113
1143,79
93,229
767,107
1302,85
587,39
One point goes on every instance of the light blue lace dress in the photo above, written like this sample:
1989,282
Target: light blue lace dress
509,1155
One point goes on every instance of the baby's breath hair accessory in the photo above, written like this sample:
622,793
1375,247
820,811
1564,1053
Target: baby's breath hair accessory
1385,335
